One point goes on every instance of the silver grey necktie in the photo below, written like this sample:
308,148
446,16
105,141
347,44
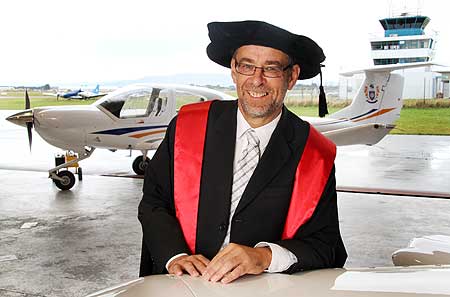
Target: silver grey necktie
242,173
244,169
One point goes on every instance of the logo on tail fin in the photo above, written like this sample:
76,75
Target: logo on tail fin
372,92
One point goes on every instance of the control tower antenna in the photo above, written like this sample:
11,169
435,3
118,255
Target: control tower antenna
405,7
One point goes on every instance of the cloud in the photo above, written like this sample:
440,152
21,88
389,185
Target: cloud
51,41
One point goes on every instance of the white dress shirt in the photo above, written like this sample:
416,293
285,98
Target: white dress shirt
282,258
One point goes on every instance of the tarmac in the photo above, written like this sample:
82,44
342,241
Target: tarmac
71,243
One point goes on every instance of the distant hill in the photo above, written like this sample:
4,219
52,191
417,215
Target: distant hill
201,79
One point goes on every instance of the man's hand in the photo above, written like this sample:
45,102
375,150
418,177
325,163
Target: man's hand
194,265
236,260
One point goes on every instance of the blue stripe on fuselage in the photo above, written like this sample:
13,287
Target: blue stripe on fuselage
122,131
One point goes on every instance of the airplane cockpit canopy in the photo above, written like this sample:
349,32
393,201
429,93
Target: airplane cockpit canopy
136,102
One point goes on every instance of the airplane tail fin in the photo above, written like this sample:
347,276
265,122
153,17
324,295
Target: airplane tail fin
378,100
96,90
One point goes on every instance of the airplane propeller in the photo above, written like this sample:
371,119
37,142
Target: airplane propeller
24,118
27,100
29,124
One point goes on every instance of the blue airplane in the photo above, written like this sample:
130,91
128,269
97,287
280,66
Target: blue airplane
79,94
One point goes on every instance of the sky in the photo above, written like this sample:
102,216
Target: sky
56,42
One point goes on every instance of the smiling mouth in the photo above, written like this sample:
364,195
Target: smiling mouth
258,94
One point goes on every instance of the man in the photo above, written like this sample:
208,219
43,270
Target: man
242,187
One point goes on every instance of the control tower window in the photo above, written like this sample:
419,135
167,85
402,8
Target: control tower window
423,43
414,44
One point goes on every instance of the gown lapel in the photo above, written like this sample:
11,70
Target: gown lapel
217,178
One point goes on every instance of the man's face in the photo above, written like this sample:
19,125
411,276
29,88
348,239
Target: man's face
260,97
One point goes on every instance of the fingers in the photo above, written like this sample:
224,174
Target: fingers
233,275
191,269
224,263
228,265
175,269
217,270
204,260
236,260
194,265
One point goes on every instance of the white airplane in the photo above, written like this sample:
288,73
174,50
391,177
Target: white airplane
422,269
416,281
136,118
131,118
425,250
373,111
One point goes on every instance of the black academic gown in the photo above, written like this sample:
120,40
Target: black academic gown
261,213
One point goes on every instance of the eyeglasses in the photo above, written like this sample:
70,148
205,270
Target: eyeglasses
267,71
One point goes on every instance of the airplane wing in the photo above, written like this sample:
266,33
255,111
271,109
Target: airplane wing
83,95
381,281
425,250
50,94
63,96
390,67
95,93
362,134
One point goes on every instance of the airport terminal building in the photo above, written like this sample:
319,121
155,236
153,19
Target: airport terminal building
405,41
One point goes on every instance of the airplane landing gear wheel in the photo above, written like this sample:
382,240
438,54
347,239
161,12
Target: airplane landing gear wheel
139,165
67,182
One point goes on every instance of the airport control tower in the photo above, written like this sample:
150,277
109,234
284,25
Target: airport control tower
404,41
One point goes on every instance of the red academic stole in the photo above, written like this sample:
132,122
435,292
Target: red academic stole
311,175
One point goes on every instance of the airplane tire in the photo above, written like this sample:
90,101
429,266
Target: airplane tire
139,165
67,182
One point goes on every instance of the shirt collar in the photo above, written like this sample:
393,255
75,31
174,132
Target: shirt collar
264,132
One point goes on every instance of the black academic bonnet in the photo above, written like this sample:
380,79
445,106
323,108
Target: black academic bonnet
226,37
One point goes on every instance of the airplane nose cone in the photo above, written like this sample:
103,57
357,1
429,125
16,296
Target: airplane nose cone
21,118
